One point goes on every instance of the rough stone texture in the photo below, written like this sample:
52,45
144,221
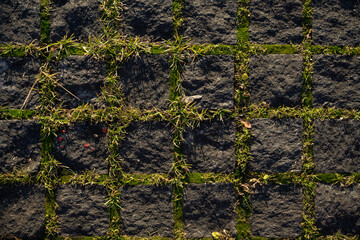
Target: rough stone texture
276,211
22,212
337,146
78,17
147,210
276,79
337,208
210,21
83,77
276,145
275,21
19,146
336,81
19,21
336,22
147,148
146,81
211,77
209,208
150,19
82,146
17,76
210,147
82,210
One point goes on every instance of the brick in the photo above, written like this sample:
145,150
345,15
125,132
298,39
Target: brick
276,145
276,211
276,80
147,210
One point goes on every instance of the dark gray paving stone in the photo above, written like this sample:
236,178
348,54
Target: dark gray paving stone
337,208
336,22
276,79
78,17
336,81
276,211
145,81
211,77
22,212
211,22
210,147
147,210
209,208
150,19
275,21
17,76
82,210
147,148
19,21
337,146
83,77
276,145
82,146
20,147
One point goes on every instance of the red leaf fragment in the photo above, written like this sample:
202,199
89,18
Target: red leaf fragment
104,130
61,146
63,131
86,145
92,149
60,139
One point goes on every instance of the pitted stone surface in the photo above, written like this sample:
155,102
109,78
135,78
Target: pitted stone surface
276,80
276,145
80,18
22,212
336,22
275,21
147,210
147,148
150,19
209,208
337,146
210,147
82,146
20,147
337,208
82,210
336,81
146,81
19,21
276,211
17,76
210,21
212,79
83,77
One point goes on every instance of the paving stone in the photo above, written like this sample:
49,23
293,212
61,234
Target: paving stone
147,210
82,210
276,211
17,76
276,79
276,145
146,81
211,22
20,147
83,77
337,146
147,148
336,22
211,77
275,21
82,146
209,208
336,81
80,18
150,19
337,208
22,212
210,147
19,21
